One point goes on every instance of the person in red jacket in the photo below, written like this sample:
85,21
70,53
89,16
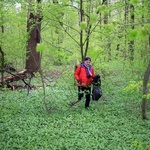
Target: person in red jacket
84,75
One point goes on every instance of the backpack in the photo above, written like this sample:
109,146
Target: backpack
96,91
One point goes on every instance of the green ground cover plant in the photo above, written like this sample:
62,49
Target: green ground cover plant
112,123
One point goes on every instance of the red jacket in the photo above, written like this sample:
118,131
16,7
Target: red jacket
80,74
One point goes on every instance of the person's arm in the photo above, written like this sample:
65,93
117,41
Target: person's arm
93,73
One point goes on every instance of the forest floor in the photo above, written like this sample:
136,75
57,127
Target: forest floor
112,123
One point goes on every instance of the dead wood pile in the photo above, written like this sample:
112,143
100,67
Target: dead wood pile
22,75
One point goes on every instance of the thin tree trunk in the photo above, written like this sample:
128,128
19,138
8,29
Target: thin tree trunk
125,22
2,67
81,31
105,2
105,17
131,43
145,91
44,92
2,61
89,10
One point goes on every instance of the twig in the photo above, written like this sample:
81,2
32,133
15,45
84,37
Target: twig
75,102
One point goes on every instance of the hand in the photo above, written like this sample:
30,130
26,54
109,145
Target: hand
79,81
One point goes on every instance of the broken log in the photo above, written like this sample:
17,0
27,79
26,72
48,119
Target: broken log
22,75
18,76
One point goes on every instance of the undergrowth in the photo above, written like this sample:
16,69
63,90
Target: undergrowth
112,123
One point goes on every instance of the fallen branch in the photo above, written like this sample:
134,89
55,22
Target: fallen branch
75,102
22,75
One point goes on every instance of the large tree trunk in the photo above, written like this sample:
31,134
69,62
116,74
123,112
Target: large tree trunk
33,61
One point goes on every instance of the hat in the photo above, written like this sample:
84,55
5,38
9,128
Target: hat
87,58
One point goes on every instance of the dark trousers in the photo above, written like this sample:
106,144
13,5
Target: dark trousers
87,92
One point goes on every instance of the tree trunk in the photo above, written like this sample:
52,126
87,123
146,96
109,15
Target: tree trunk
2,67
2,60
126,18
81,31
131,43
88,31
145,91
105,2
33,61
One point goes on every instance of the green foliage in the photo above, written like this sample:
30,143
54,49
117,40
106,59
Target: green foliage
132,34
93,18
40,47
60,32
134,2
109,27
139,145
83,25
13,41
25,125
113,122
144,32
102,8
147,97
133,87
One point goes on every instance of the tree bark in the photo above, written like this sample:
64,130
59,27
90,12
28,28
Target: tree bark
88,31
81,31
145,91
2,60
131,43
126,20
2,67
33,61
105,2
